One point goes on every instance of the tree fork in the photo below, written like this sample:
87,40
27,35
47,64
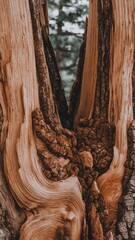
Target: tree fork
36,148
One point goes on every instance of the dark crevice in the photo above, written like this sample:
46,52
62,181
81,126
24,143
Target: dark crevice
56,83
133,85
102,87
45,98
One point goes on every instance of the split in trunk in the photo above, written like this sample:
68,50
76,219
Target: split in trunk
57,183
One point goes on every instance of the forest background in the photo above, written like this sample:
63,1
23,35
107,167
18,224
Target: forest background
67,25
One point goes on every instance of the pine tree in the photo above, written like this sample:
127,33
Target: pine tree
67,24
56,183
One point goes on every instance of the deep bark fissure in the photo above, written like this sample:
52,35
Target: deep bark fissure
56,83
105,21
45,93
133,85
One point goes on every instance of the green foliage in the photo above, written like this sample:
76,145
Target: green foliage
67,23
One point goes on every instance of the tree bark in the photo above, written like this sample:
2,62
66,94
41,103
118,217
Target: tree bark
57,183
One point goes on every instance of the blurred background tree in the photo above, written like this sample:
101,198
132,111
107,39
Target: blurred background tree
67,23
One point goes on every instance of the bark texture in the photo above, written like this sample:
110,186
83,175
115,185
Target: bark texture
56,183
126,219
108,109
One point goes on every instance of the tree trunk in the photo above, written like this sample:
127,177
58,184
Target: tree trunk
58,183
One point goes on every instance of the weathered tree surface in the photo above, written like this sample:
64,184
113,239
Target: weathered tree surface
56,183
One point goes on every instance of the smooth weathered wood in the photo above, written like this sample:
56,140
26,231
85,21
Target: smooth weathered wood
108,104
60,202
61,184
110,183
90,65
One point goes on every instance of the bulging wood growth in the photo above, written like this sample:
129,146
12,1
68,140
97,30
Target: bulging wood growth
58,183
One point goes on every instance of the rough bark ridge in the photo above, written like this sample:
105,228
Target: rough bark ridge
62,184
99,134
125,227
126,219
